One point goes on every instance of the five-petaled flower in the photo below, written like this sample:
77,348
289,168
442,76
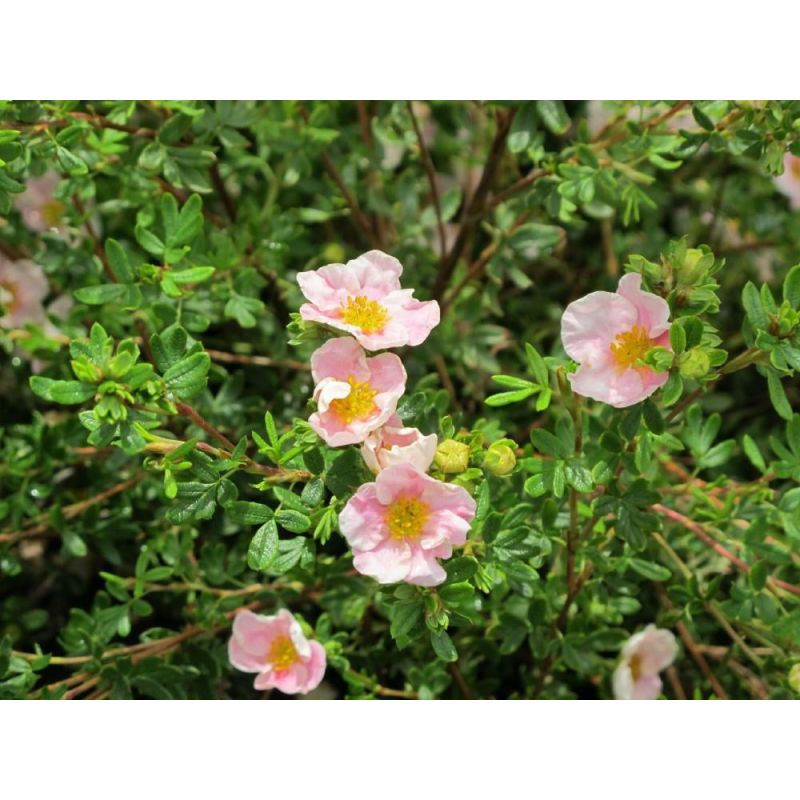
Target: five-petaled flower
644,655
394,444
276,648
354,394
608,333
364,298
402,523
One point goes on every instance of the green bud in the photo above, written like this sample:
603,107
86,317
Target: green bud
500,459
333,253
794,677
694,266
696,364
452,456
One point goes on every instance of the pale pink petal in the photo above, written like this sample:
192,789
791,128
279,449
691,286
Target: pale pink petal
265,680
387,376
243,658
448,526
622,682
328,390
363,520
657,649
389,562
377,270
329,286
291,680
316,668
425,570
339,358
590,325
789,181
648,687
401,480
653,310
610,385
418,317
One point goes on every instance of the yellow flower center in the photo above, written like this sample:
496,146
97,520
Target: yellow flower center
8,297
406,518
630,346
636,666
282,653
359,404
794,167
52,212
360,311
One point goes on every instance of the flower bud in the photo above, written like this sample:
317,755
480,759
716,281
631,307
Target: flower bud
794,677
333,253
452,456
694,266
500,459
696,364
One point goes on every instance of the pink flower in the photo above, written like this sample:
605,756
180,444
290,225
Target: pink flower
354,394
277,650
789,181
364,298
394,444
37,204
23,287
644,655
607,333
402,523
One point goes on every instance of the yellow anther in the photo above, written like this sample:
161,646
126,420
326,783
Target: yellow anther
358,405
630,346
406,518
360,311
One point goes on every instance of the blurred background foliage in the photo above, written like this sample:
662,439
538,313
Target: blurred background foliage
173,233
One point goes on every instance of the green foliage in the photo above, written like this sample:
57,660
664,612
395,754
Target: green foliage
157,470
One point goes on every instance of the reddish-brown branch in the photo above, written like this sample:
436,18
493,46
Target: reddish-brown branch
477,204
718,548
259,361
427,164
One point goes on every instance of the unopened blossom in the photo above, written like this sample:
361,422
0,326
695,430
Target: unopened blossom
644,655
608,333
40,209
400,525
23,287
355,395
276,648
789,182
363,297
394,444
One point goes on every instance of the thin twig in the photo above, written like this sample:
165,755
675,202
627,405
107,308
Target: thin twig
427,163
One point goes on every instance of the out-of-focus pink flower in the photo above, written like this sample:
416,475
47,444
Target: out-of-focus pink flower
40,209
394,444
364,298
402,523
789,182
23,287
277,650
354,394
644,655
607,333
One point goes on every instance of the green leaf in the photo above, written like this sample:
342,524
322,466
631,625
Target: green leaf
118,261
752,451
649,570
537,365
545,442
652,416
777,395
100,295
751,300
443,646
791,287
248,513
505,398
64,392
292,520
189,376
263,548
554,116
168,346
191,275
194,501
149,241
405,616
70,163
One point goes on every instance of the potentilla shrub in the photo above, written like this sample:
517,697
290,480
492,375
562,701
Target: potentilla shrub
399,400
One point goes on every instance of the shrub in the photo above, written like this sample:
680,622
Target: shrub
611,497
